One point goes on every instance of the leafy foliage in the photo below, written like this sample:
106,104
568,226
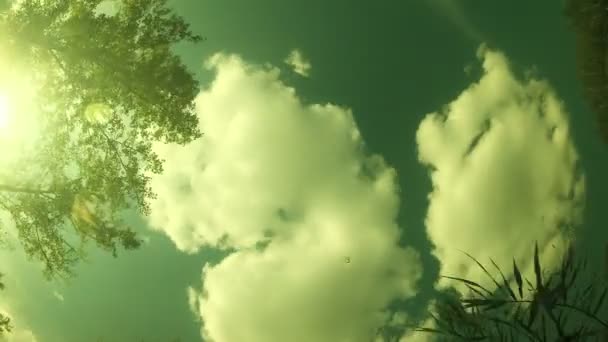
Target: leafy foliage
589,18
5,322
108,86
506,315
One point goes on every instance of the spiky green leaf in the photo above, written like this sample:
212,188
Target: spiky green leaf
518,279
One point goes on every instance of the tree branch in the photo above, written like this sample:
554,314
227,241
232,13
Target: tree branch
113,148
11,188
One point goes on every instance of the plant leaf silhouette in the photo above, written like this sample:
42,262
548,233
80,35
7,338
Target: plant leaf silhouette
518,279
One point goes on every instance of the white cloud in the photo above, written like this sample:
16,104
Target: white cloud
514,187
273,171
58,295
193,300
299,64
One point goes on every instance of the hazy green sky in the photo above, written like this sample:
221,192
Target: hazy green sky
284,167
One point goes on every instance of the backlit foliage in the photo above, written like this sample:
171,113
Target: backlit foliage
589,18
106,87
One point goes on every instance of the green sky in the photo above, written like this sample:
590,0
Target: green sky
391,63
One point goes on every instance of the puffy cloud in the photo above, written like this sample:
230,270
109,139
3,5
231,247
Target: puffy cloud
310,214
299,64
504,172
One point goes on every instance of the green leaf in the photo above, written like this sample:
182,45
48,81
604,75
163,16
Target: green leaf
469,282
544,328
537,268
600,301
504,279
533,313
496,304
473,289
518,279
483,268
473,302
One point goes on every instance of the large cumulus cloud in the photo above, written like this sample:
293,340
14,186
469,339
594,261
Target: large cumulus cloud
504,172
310,214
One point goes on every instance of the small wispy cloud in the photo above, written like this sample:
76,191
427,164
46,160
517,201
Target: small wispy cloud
298,63
58,295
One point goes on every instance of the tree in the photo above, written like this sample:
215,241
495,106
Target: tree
589,19
507,314
5,322
107,86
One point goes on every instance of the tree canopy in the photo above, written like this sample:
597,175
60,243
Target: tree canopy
589,18
104,87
